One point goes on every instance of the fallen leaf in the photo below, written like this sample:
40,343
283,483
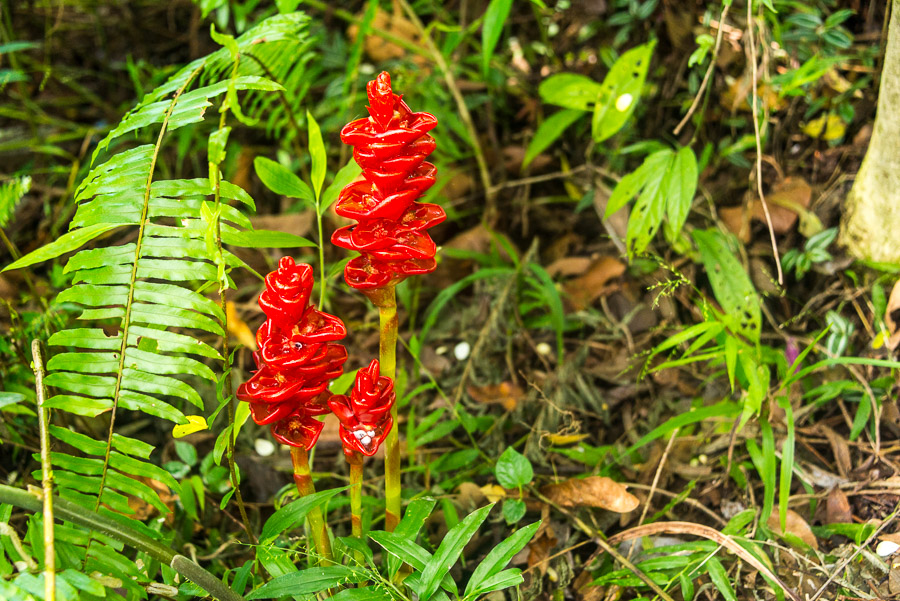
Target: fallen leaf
893,309
195,424
834,127
795,525
380,49
507,394
841,449
569,266
493,492
564,439
837,507
594,491
238,328
787,202
585,289
585,589
540,546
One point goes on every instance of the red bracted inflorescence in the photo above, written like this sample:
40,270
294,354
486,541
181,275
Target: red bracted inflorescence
297,358
365,415
391,146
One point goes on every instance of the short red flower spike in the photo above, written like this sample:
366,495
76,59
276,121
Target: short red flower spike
297,358
365,415
391,147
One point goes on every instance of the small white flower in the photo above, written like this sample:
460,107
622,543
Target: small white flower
461,351
886,548
264,447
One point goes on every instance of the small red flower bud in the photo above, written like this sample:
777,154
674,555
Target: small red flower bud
365,415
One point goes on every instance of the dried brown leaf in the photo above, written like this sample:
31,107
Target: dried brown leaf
841,449
594,491
507,394
786,201
584,290
837,507
794,525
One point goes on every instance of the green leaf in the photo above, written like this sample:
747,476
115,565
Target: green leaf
366,593
730,282
449,550
548,131
66,243
513,510
501,580
649,209
570,90
317,155
279,179
347,174
681,185
494,19
498,557
293,514
719,578
414,518
264,239
513,469
306,582
620,91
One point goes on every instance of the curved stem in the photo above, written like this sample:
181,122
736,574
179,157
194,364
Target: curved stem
72,512
387,356
303,479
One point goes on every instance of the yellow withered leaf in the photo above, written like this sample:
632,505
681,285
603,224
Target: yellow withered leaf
195,424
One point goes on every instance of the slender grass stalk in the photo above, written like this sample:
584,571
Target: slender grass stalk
386,301
37,357
303,479
356,476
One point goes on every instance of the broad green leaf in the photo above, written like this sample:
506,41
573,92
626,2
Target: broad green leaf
66,243
681,185
317,155
449,550
492,26
292,514
347,174
548,131
650,207
280,180
263,239
414,518
730,282
501,580
306,582
513,469
498,557
405,550
570,90
621,90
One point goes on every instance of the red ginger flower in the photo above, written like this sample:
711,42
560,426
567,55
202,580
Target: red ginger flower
365,415
390,146
297,358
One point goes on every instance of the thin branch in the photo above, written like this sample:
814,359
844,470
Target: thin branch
709,72
759,185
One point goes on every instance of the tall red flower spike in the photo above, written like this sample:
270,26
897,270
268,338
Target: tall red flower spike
391,146
297,358
365,415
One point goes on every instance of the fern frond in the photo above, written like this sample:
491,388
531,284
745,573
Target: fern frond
11,192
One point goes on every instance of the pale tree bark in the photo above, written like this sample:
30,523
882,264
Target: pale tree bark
871,224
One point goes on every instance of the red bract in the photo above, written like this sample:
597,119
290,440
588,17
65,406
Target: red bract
365,415
391,146
297,358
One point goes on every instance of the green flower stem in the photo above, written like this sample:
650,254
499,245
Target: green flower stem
355,460
386,301
303,479
71,512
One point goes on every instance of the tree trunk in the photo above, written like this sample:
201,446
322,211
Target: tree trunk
871,223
